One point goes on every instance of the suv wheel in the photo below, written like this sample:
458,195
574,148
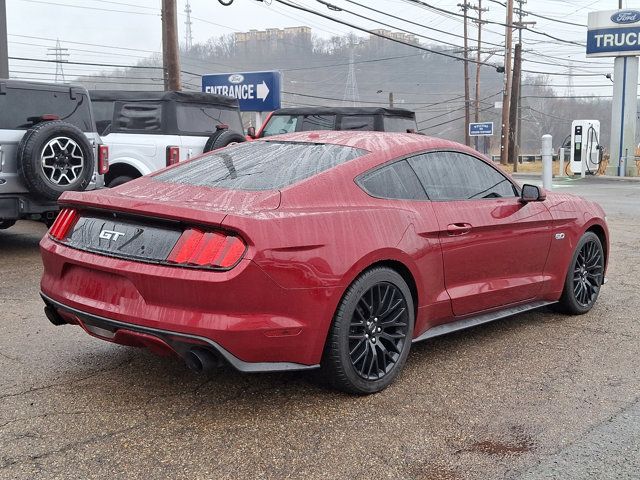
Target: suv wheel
222,138
55,157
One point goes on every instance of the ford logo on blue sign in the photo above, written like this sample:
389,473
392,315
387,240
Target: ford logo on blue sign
625,17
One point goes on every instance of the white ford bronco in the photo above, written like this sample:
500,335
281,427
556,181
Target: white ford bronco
147,131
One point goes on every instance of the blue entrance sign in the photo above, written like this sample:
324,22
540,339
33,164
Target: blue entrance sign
484,129
255,91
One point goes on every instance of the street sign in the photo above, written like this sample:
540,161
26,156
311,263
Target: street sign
255,91
613,33
484,129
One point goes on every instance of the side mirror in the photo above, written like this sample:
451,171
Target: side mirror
251,131
532,193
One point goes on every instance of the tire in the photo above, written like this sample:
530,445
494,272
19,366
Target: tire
221,139
584,276
354,360
4,224
119,181
55,157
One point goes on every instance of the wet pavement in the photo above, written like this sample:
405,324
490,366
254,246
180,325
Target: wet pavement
535,396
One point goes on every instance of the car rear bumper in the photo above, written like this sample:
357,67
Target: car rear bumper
242,314
158,340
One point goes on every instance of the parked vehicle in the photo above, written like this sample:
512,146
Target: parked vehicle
146,131
48,145
318,249
303,119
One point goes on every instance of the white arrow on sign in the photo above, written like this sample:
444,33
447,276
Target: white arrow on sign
262,91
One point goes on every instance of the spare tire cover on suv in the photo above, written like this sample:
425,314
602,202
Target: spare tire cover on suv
222,138
55,157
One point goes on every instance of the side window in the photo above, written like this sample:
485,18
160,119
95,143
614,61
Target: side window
318,122
141,117
279,124
396,181
457,176
399,124
357,122
196,119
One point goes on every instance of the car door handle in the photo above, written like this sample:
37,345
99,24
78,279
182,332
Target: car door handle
456,229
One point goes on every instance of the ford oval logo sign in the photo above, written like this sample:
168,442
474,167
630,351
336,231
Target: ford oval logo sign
236,78
625,17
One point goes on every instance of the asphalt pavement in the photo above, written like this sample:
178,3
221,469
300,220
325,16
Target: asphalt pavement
535,396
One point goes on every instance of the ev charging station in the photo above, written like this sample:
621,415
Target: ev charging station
585,146
616,33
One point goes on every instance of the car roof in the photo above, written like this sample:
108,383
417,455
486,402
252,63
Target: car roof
386,143
397,112
172,96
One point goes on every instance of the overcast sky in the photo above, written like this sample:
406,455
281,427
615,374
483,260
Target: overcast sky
114,31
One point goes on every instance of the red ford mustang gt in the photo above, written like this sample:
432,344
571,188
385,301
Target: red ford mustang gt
333,250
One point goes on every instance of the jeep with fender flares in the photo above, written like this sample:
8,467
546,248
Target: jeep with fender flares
149,130
48,145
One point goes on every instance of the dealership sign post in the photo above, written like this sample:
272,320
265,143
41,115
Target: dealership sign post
616,33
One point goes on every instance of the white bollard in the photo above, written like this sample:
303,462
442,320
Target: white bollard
561,159
547,162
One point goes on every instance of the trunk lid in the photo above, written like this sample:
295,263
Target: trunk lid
145,197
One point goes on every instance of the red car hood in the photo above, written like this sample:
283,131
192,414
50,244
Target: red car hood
176,201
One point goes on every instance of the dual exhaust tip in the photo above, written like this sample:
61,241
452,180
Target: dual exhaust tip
196,359
201,360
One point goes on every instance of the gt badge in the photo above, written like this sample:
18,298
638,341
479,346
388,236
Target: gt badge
110,235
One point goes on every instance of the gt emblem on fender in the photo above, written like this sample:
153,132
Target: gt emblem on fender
560,236
110,235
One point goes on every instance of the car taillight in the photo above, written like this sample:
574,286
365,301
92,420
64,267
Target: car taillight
63,223
103,159
207,249
173,155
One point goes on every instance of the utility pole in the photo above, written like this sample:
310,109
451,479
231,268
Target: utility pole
467,114
515,138
506,97
170,49
4,51
480,22
513,113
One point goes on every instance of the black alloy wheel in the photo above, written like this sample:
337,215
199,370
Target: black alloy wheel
378,331
587,273
371,334
585,276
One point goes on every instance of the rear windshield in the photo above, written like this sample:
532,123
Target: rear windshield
260,165
20,106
